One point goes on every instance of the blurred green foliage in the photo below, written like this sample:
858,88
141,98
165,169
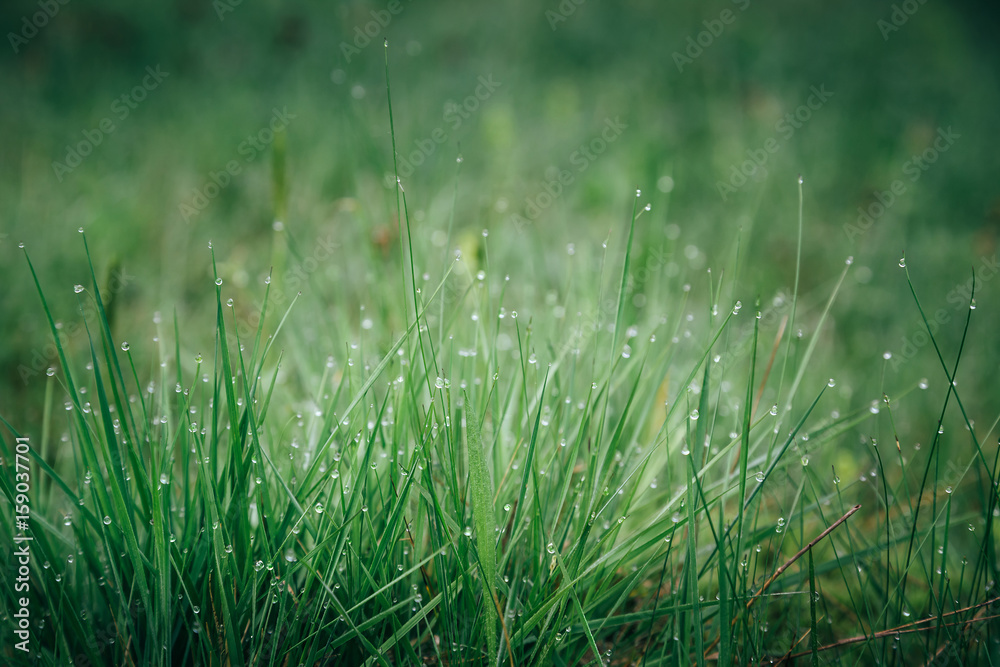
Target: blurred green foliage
563,71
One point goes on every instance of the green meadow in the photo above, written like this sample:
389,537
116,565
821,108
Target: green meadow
572,333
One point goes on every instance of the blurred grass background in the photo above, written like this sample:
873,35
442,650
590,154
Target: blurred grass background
230,65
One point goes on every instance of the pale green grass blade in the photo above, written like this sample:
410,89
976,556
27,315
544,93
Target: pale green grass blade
484,516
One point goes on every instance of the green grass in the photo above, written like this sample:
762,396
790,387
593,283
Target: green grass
401,432
612,483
